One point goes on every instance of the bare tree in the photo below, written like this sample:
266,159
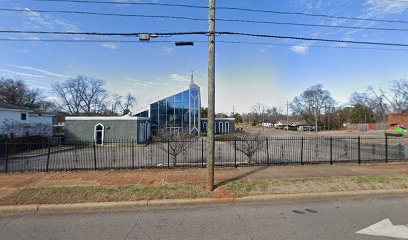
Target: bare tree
249,145
258,112
399,95
82,95
16,92
311,103
118,105
114,102
273,114
68,93
128,102
371,101
92,93
174,143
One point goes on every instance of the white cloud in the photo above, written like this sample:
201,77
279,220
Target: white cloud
377,8
109,45
36,20
19,73
139,83
52,74
300,49
179,77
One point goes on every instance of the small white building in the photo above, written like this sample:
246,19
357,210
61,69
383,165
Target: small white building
282,124
267,124
19,122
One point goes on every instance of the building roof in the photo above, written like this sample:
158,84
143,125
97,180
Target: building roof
192,85
174,92
123,118
301,124
284,122
13,107
221,119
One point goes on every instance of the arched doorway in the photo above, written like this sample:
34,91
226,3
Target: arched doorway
99,134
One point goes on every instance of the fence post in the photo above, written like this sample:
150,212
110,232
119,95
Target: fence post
331,150
202,152
6,155
267,152
48,156
168,153
386,148
94,151
359,150
133,153
235,152
301,152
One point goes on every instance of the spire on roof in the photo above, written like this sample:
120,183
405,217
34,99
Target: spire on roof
192,77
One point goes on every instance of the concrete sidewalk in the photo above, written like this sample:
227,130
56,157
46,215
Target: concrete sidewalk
14,181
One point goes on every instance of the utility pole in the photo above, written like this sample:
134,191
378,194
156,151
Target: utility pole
315,105
211,96
287,115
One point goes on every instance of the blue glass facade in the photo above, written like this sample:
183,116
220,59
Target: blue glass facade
177,113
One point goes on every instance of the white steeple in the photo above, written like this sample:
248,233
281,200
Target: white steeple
192,77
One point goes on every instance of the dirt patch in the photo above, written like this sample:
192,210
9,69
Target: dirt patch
222,192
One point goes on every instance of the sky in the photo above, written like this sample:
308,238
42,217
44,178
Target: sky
270,72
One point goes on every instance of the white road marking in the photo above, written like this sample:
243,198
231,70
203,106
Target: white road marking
385,228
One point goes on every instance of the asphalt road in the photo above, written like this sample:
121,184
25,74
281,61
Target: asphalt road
339,219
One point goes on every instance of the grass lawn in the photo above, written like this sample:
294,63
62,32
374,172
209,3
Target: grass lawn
239,188
81,194
316,185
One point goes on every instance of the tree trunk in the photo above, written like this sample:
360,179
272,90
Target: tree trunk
174,160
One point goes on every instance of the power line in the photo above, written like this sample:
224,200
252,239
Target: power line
314,25
129,34
312,46
313,39
204,19
197,41
126,3
312,15
237,9
165,34
102,14
79,40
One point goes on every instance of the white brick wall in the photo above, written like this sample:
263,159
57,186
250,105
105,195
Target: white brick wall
11,123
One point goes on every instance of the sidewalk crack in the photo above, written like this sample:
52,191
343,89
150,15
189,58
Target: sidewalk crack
131,230
242,224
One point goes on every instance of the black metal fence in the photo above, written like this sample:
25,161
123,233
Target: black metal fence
127,154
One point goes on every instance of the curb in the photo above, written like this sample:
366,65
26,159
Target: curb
174,203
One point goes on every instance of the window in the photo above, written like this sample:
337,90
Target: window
99,134
220,127
227,127
23,116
